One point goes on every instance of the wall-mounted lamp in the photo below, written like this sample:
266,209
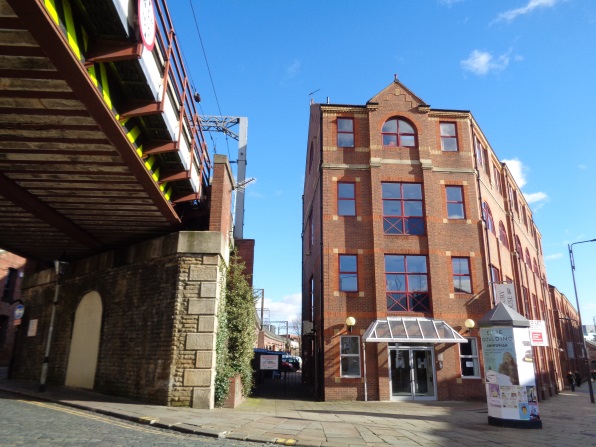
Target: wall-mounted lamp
469,324
350,322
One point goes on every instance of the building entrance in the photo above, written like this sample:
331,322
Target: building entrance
412,373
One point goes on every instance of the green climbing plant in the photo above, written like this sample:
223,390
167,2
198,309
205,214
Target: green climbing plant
236,335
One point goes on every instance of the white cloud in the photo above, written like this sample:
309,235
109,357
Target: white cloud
518,170
293,69
582,166
449,2
482,62
553,257
535,197
287,308
512,14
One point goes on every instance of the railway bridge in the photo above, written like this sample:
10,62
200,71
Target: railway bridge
108,189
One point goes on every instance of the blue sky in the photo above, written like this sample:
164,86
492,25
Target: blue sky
526,69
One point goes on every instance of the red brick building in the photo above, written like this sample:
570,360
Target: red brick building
409,221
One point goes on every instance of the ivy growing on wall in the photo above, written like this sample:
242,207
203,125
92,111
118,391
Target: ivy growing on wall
236,334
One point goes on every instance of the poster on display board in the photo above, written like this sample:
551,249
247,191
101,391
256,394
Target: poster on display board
509,373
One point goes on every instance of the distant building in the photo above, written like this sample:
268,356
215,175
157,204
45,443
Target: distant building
410,221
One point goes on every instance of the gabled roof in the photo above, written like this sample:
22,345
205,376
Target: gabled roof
393,85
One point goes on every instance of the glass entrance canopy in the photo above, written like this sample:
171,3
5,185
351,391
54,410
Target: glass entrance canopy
411,330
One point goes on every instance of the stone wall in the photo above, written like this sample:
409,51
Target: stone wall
159,322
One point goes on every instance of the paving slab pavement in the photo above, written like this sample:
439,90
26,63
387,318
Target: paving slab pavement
569,419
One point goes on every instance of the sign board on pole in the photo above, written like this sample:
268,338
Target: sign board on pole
18,312
505,293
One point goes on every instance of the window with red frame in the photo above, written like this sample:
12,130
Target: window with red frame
488,218
345,132
348,273
462,281
346,199
495,274
479,152
497,179
455,202
503,235
528,259
486,162
402,208
448,137
406,279
518,248
398,132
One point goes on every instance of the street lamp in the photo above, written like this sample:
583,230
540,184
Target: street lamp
581,332
60,270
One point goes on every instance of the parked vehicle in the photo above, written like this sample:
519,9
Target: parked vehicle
294,361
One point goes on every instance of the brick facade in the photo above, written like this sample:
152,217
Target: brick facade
366,164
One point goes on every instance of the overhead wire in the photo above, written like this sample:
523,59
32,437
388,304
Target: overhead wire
210,77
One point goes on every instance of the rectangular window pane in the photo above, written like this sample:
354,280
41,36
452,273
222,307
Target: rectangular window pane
412,191
346,208
345,140
449,144
416,264
350,366
350,356
447,129
348,273
345,190
468,353
345,125
395,263
391,190
455,211
412,208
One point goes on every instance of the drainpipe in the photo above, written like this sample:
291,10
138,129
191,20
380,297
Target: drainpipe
485,235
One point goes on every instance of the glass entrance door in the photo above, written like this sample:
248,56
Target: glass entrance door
412,373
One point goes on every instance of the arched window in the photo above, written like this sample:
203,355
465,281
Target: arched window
528,259
398,132
488,218
518,248
503,235
535,266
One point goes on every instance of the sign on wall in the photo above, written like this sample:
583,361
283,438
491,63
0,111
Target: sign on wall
538,334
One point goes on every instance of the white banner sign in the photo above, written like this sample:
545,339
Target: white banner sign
538,335
505,293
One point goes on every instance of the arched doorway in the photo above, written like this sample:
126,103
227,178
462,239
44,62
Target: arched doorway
84,345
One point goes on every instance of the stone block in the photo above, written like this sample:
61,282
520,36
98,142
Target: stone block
209,290
203,273
205,359
197,377
211,259
200,342
203,398
202,307
207,324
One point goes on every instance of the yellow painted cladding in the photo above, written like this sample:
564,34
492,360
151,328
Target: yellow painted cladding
99,77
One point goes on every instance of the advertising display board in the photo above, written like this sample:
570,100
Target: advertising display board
509,374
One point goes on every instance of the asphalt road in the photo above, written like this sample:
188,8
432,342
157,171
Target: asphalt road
34,423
